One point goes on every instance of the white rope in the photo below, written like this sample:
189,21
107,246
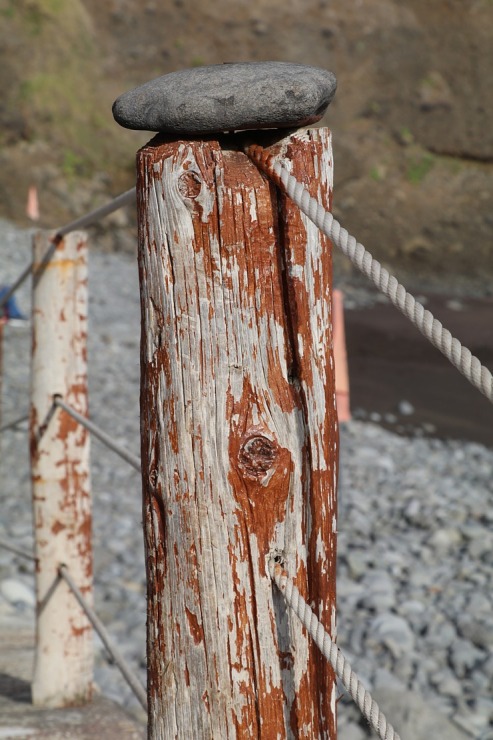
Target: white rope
117,657
461,357
97,432
361,696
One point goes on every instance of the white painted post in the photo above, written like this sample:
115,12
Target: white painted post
63,673
239,439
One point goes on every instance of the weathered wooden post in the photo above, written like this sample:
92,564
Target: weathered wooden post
239,430
63,671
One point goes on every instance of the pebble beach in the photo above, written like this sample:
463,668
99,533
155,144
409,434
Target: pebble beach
415,543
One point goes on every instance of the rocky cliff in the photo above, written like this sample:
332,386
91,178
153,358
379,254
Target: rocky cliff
413,138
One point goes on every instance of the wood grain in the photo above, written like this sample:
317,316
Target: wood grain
239,439
63,673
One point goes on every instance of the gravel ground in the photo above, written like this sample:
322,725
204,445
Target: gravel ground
415,579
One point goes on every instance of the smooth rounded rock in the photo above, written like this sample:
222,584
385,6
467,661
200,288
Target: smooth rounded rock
16,592
228,97
393,632
413,717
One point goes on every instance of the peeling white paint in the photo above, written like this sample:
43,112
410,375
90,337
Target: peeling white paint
327,167
301,348
60,473
333,700
296,272
253,205
218,337
206,200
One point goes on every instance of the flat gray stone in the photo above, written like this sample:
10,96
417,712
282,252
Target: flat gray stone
394,632
412,717
16,592
380,591
228,97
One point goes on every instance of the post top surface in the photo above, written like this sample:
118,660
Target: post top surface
228,97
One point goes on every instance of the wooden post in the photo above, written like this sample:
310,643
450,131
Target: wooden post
63,670
239,439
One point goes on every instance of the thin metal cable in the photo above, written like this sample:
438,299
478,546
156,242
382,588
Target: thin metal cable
90,218
80,223
14,423
361,696
102,436
16,285
461,357
17,550
117,657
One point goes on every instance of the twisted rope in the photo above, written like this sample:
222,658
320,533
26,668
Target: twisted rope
361,696
461,357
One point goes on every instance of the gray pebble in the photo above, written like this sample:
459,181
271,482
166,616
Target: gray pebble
380,591
464,656
473,724
390,418
358,561
444,539
413,717
478,631
393,632
482,545
385,679
391,512
441,634
228,97
446,683
17,593
406,408
351,731
415,613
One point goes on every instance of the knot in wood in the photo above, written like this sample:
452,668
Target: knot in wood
257,455
189,184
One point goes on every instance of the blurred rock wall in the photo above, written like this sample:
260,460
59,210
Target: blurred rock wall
412,118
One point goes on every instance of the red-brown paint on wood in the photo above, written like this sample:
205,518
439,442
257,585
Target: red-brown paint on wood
309,285
237,461
60,473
